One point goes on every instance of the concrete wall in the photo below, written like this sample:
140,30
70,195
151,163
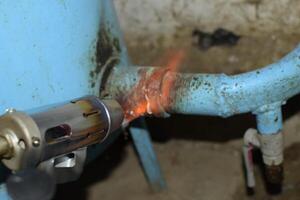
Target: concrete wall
154,20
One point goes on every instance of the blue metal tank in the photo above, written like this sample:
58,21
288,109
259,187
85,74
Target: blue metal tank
48,51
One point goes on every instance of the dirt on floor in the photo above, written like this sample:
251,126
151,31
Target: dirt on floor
200,156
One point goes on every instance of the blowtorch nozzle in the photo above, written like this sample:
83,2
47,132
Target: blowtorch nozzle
29,139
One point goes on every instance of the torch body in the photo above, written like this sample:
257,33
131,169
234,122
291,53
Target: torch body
29,139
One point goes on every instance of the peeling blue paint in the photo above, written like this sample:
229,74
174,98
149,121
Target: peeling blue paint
219,94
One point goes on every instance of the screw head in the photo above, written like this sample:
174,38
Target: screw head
10,110
36,141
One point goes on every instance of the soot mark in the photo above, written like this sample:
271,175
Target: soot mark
105,54
220,37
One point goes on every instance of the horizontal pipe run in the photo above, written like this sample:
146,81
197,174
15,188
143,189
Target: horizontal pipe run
213,94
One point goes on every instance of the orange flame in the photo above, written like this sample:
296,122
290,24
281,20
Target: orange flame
175,60
139,110
146,96
173,66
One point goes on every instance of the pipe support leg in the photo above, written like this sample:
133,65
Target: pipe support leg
269,125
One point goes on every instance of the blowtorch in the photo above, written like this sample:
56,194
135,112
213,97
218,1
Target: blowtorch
29,139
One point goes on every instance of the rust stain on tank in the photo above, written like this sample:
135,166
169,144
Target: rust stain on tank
105,55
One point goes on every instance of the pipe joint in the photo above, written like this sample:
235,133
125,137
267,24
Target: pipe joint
226,107
271,147
269,119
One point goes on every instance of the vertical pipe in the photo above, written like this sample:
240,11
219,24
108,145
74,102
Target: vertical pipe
147,155
269,119
269,124
3,193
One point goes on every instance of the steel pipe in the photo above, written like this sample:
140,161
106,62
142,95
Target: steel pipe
210,94
158,91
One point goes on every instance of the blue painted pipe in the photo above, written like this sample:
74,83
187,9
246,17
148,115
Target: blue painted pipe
3,193
260,91
269,119
224,96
